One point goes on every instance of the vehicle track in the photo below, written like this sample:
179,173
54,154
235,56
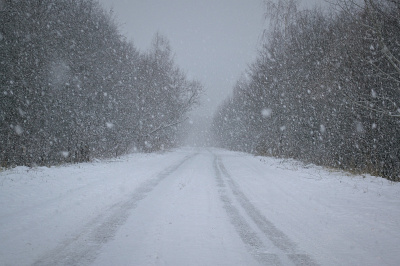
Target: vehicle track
82,248
248,221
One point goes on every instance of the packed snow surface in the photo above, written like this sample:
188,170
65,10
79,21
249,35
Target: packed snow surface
196,207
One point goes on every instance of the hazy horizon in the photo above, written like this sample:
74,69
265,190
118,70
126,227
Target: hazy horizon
213,45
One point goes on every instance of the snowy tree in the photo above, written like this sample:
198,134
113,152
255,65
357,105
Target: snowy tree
72,87
166,96
321,90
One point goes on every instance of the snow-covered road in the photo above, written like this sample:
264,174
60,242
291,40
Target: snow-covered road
196,207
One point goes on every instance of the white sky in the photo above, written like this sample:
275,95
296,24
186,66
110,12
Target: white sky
213,40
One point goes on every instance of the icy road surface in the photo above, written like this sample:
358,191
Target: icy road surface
196,207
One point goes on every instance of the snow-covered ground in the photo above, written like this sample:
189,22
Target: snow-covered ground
196,207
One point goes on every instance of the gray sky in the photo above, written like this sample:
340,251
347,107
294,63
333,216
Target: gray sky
213,40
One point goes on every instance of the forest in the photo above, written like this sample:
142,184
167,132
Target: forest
325,88
73,88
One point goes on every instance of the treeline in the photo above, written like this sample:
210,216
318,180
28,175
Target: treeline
72,87
325,89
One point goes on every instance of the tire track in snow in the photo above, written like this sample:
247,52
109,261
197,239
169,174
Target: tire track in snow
277,237
82,248
253,242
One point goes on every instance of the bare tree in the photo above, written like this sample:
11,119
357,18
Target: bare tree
379,47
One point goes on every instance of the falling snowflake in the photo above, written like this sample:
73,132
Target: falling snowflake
266,112
21,112
18,129
359,127
322,129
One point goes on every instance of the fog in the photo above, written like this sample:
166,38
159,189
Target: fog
213,41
